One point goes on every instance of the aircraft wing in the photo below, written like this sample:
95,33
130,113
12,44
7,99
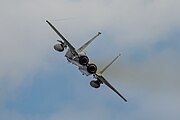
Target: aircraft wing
73,50
102,79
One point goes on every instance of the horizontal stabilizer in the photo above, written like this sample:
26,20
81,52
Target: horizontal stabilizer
104,69
87,43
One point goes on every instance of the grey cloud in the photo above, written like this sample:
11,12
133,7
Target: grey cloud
25,39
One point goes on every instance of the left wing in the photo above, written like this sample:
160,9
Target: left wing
99,76
102,79
73,50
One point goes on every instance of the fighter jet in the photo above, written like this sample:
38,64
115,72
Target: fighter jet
79,58
76,56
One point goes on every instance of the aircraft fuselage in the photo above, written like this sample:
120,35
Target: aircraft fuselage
74,59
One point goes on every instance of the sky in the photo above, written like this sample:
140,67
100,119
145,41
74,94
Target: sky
37,82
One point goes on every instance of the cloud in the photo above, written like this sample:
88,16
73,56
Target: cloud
21,49
26,42
153,80
132,22
87,113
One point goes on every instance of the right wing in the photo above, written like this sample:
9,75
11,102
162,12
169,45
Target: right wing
73,50
102,79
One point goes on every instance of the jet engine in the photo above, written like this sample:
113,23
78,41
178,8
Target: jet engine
83,60
91,68
59,47
95,84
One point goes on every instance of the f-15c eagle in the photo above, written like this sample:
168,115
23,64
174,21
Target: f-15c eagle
79,58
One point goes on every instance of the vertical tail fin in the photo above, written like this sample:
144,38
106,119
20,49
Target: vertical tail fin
100,72
87,43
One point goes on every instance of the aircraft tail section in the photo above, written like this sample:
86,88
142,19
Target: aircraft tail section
107,66
87,43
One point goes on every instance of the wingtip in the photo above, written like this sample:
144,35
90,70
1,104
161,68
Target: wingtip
124,99
119,54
